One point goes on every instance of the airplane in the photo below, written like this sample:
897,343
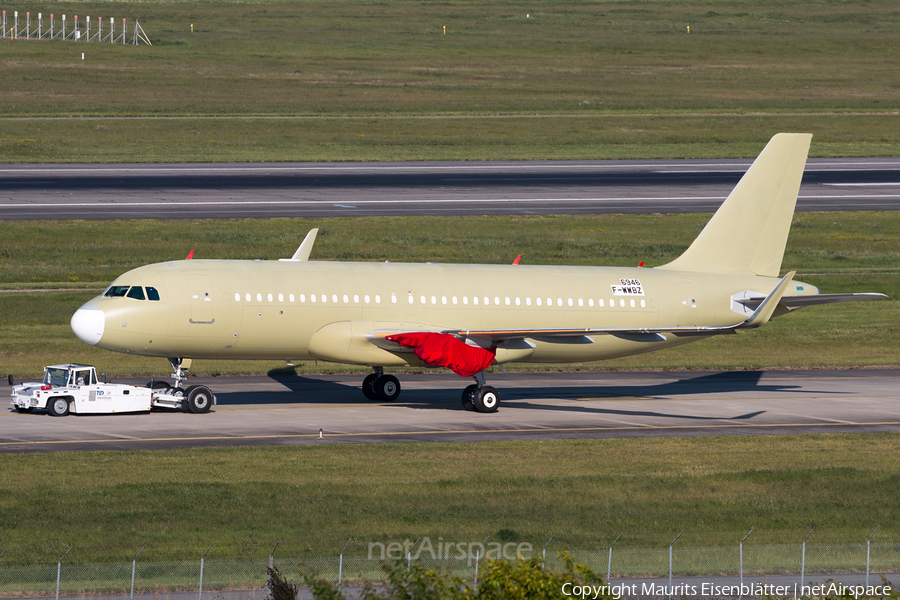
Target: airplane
467,317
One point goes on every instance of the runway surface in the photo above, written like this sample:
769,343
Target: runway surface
292,410
216,191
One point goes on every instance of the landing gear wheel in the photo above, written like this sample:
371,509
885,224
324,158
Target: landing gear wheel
487,400
58,407
26,409
368,386
199,399
387,388
468,396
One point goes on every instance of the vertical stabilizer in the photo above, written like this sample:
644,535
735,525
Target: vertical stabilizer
748,233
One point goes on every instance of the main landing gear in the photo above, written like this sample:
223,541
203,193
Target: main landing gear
477,397
480,397
381,387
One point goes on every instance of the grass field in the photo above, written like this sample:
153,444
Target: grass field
843,252
312,499
340,80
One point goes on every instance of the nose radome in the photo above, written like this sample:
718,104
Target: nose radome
88,323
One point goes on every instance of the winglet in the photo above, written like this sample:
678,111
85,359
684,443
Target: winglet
306,246
767,307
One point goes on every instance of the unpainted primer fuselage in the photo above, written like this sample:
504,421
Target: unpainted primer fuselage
324,310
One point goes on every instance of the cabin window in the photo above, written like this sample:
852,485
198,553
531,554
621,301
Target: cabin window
312,297
475,300
622,303
600,302
136,292
378,299
291,297
281,297
269,297
528,301
443,299
259,297
334,298
465,300
366,298
302,297
454,300
591,302
346,299
116,291
518,302
324,298
643,304
237,297
355,298
632,304
570,302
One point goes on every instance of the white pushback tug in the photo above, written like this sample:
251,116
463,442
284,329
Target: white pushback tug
74,388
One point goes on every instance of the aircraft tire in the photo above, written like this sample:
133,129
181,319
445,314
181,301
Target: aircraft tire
368,386
387,388
58,407
467,396
199,399
487,400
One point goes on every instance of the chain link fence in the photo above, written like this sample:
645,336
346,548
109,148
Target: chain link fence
207,577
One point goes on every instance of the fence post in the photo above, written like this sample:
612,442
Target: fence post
803,557
544,550
272,556
133,567
670,563
478,558
742,560
609,564
202,559
59,571
341,564
409,555
868,548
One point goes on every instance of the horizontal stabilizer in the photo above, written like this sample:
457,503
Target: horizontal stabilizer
795,302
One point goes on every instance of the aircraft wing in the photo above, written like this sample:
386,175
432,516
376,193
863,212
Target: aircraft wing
467,351
795,302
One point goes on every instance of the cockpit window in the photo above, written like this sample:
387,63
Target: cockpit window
116,291
136,292
152,294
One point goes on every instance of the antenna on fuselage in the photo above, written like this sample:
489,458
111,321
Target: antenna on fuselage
305,248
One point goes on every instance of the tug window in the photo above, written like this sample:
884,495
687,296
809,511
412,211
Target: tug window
136,292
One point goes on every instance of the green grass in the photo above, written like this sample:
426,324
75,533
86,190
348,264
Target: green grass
849,252
574,79
312,499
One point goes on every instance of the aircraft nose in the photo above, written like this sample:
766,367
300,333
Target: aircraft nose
88,323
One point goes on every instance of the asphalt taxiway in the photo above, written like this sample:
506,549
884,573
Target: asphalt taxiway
292,410
264,190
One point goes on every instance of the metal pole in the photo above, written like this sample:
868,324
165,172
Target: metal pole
609,564
134,567
409,555
803,557
272,555
742,560
341,564
544,551
868,548
670,563
59,571
478,557
202,559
